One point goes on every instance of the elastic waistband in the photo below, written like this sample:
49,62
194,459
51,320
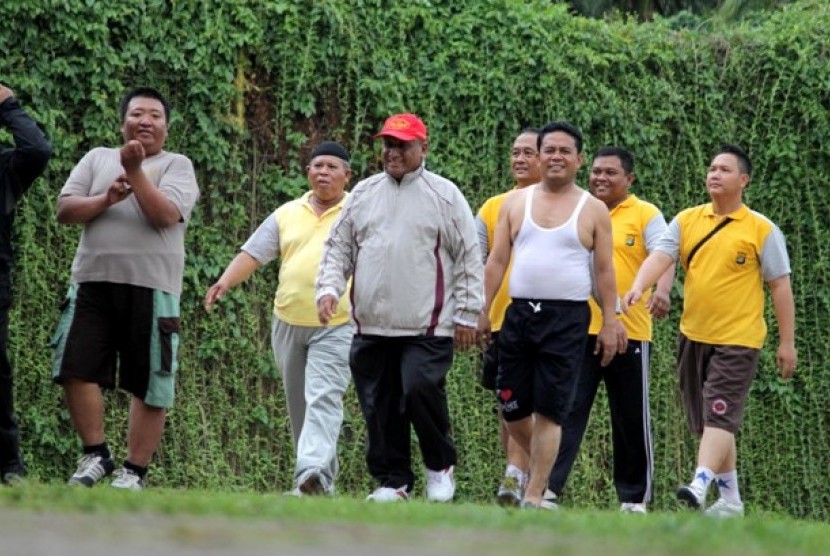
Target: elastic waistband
550,302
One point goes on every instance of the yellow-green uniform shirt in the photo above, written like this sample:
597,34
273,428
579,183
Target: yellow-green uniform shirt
636,227
488,216
724,287
296,235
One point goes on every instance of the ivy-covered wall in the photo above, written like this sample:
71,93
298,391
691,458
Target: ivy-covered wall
255,84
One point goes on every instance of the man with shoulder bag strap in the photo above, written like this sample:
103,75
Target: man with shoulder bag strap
726,250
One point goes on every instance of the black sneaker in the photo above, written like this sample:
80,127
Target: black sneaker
91,469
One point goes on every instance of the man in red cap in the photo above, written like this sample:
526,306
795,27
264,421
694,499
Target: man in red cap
408,240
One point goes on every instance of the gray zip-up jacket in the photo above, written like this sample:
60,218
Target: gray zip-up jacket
412,252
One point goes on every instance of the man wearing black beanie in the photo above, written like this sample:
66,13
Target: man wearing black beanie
313,359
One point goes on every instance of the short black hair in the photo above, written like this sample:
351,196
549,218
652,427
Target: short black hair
744,163
145,92
564,127
625,156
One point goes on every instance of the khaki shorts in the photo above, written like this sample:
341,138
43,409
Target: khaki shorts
714,383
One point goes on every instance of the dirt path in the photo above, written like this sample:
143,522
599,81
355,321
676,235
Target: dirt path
26,533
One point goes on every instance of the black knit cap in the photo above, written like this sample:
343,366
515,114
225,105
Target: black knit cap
330,148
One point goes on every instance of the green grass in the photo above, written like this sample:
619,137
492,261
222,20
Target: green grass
469,528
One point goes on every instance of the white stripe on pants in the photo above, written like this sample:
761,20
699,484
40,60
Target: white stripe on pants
314,364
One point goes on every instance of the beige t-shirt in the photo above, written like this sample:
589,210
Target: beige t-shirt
119,245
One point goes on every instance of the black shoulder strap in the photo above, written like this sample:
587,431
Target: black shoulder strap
706,238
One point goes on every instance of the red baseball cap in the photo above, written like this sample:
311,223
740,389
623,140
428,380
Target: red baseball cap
406,127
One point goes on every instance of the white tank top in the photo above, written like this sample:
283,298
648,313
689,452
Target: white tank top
550,263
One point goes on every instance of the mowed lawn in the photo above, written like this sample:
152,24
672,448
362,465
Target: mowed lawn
59,520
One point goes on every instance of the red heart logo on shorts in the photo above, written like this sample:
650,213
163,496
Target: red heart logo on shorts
505,395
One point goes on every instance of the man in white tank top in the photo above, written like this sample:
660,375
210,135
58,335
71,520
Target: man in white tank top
553,230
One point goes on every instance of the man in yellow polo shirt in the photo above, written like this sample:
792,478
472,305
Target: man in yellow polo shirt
728,251
636,226
524,165
313,359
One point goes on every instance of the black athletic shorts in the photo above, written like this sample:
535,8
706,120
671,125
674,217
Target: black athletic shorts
113,331
541,347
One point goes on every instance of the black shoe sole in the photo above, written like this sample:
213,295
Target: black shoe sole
684,494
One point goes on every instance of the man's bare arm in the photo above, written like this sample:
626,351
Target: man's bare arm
159,211
497,261
606,281
784,307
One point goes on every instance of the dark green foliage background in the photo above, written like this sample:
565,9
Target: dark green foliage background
255,84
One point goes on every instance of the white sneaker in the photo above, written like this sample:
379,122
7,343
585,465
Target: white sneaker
528,505
127,479
723,508
549,500
691,495
633,508
389,494
510,492
441,485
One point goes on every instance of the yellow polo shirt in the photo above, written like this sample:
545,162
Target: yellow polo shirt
634,230
724,287
301,237
489,214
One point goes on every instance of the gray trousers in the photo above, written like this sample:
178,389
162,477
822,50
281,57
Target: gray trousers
314,363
